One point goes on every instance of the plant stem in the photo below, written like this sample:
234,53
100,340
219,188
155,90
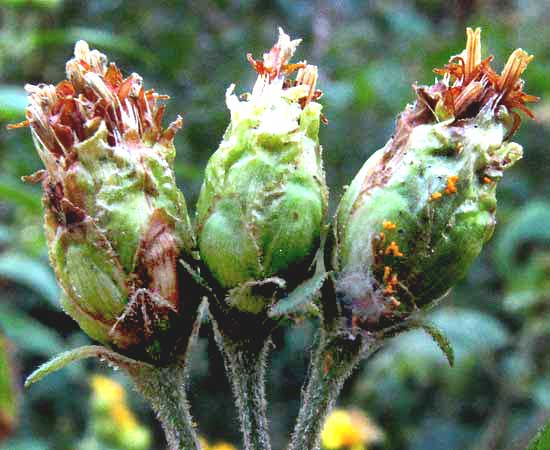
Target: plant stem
245,363
331,364
164,387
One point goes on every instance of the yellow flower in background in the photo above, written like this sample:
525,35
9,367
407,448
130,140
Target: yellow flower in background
218,446
349,429
112,420
107,390
223,446
109,397
204,443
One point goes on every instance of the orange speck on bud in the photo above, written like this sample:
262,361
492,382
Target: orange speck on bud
382,236
451,185
393,249
394,302
389,290
389,225
387,273
487,180
436,196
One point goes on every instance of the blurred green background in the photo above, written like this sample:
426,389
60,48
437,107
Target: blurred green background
369,53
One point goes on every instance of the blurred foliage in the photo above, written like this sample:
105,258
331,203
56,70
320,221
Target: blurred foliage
498,393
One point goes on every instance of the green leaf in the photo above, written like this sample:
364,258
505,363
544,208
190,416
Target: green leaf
542,440
29,334
471,332
441,340
46,4
60,361
15,192
104,40
529,224
13,101
31,273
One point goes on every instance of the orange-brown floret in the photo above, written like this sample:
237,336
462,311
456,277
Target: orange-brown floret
388,225
470,83
61,116
387,273
436,196
393,249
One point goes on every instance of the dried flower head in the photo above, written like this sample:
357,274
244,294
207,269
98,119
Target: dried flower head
420,209
115,220
470,85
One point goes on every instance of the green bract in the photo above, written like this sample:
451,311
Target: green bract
419,211
115,220
263,202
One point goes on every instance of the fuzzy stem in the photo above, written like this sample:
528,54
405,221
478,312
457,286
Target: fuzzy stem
332,363
164,387
245,363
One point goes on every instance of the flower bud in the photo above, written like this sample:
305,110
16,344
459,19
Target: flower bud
419,211
8,392
115,221
264,198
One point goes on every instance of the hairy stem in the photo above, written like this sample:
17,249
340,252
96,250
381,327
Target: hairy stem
331,364
164,387
245,363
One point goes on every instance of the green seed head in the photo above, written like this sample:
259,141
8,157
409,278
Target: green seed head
115,220
263,202
8,392
419,211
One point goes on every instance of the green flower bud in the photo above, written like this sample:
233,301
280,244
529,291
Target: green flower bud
419,211
115,221
8,392
264,199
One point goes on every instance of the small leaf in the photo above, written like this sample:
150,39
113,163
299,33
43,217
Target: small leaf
542,440
440,339
300,297
62,360
87,351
